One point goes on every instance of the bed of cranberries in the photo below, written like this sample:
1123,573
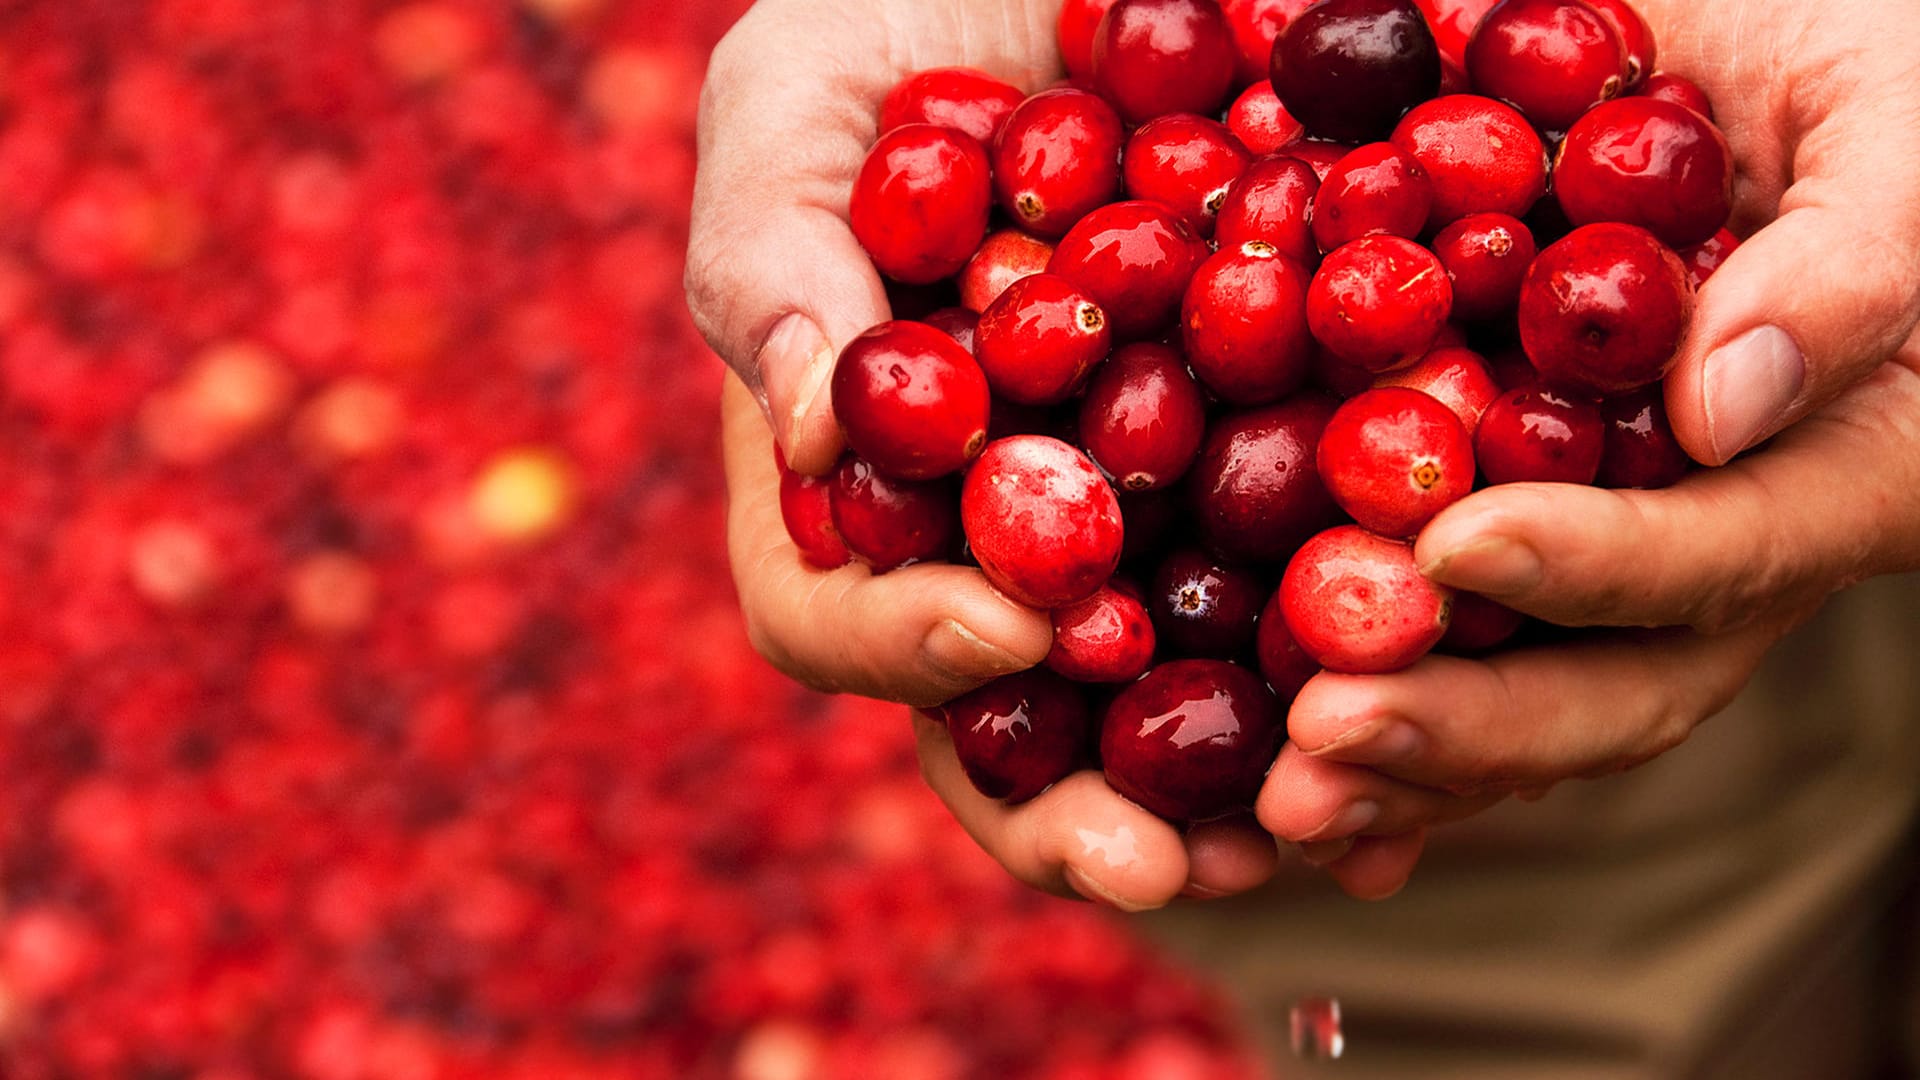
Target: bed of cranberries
1405,251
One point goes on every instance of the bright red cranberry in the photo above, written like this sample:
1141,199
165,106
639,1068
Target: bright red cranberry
1636,39
1604,309
1271,203
1377,188
806,506
1004,257
1349,69
889,523
920,203
1283,663
1552,59
1665,86
965,99
1359,605
1480,156
1393,458
911,400
1201,607
1452,22
1260,122
958,323
1702,259
1192,740
1244,324
1057,158
1020,734
1255,490
1538,433
1040,339
1143,417
1379,301
1154,57
1486,256
1255,23
1639,448
1457,377
1106,638
1079,22
1649,163
1134,259
1186,162
1478,624
1041,520
1320,154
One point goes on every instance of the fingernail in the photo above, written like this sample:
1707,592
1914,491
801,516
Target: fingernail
1320,853
1100,894
958,653
1494,565
795,366
1376,742
1750,382
1346,823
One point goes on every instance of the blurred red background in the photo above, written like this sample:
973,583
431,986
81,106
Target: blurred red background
372,699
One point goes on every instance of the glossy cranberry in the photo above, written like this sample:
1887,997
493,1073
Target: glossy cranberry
1244,325
1038,342
1636,39
1143,417
1376,189
1379,302
1486,257
1041,520
1551,59
1320,154
1649,163
1480,156
920,203
1186,162
1639,449
1457,377
965,99
1078,23
1260,122
1604,309
888,523
1358,605
1283,663
1020,734
1192,740
1154,57
1452,22
1350,68
1665,86
1478,624
1393,458
806,507
1004,257
1255,23
1255,489
1271,203
1538,433
1134,259
1702,259
958,323
1057,158
911,400
1106,638
1201,607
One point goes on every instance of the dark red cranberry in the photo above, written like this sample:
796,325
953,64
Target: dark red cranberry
1702,259
1057,158
1359,605
889,523
1537,433
1393,458
965,99
1255,23
1636,39
1478,624
1457,377
1134,259
1260,122
1186,162
1452,22
1106,638
1004,257
1480,156
1143,417
1244,324
1639,448
1078,24
1192,740
1665,86
1041,520
1349,69
1271,203
1201,607
1649,163
1379,302
920,203
911,400
1283,663
1154,57
1378,188
1486,256
959,324
1038,342
806,507
1552,59
1318,153
1020,734
1511,368
1604,309
1255,489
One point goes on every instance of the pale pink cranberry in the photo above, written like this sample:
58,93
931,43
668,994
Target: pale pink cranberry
1457,377
1004,257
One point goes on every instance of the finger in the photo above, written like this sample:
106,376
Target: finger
920,635
1378,867
1315,801
1077,838
1229,856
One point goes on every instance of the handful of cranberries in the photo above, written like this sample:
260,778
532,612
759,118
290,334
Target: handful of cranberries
1197,355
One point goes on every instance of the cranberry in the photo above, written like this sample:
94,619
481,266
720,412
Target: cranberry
1271,203
1192,740
1350,68
1186,162
1452,22
1480,156
888,523
1393,458
1143,417
1377,188
1486,256
1665,86
806,509
962,98
1283,663
1702,259
1106,638
1379,302
920,203
1255,23
1538,433
1078,24
1134,259
1019,734
1636,39
1041,520
1244,325
1650,163
911,400
1604,309
1204,608
1004,257
1479,624
960,324
1260,122
1057,158
1255,489
1320,154
1552,59
1639,449
1154,57
1358,605
1457,377
1040,339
